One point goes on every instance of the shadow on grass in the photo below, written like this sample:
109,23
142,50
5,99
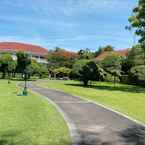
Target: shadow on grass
19,79
123,88
15,137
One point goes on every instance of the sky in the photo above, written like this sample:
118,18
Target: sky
70,24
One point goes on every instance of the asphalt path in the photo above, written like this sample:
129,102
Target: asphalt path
91,124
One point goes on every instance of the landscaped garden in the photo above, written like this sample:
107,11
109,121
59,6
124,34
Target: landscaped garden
127,99
105,75
29,120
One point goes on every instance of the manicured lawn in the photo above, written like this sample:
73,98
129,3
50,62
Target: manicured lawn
127,99
29,120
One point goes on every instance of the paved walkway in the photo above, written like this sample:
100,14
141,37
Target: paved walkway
95,125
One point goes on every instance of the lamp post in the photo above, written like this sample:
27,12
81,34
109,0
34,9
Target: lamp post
25,92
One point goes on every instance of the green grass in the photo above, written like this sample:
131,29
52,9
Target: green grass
127,99
29,120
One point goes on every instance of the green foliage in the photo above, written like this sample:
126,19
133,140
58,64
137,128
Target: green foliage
86,70
137,21
24,65
136,56
43,71
37,69
6,64
85,54
77,67
62,72
23,61
137,75
12,66
61,58
54,58
102,49
90,71
33,68
136,63
112,65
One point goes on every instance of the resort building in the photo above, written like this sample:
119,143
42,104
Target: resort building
36,52
103,55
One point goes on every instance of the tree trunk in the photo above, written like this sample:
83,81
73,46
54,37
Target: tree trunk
9,77
85,82
114,81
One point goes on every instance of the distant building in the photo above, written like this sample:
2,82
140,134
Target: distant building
103,55
36,52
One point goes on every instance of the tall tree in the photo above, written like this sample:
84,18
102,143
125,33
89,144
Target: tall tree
23,61
77,67
60,58
85,53
137,21
90,72
5,63
136,56
105,48
112,65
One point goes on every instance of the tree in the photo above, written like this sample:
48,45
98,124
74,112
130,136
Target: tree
136,56
137,21
129,28
108,48
112,65
136,63
85,54
61,58
23,61
11,69
77,67
6,64
102,49
62,72
90,72
137,75
43,71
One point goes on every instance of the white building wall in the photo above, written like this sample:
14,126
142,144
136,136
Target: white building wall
37,58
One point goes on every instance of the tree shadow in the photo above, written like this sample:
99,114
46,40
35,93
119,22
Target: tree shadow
20,79
134,135
123,88
93,142
16,137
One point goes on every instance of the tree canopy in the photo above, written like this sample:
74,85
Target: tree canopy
137,21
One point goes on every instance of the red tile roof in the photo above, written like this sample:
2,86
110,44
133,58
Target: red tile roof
66,54
104,54
16,47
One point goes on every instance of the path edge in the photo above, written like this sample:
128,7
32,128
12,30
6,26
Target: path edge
74,135
103,106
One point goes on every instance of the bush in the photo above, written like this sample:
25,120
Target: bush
62,72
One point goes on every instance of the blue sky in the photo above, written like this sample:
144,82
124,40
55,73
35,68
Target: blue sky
71,24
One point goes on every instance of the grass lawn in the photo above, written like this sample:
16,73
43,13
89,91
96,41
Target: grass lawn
127,99
29,120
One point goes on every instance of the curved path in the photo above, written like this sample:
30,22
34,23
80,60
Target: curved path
94,124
